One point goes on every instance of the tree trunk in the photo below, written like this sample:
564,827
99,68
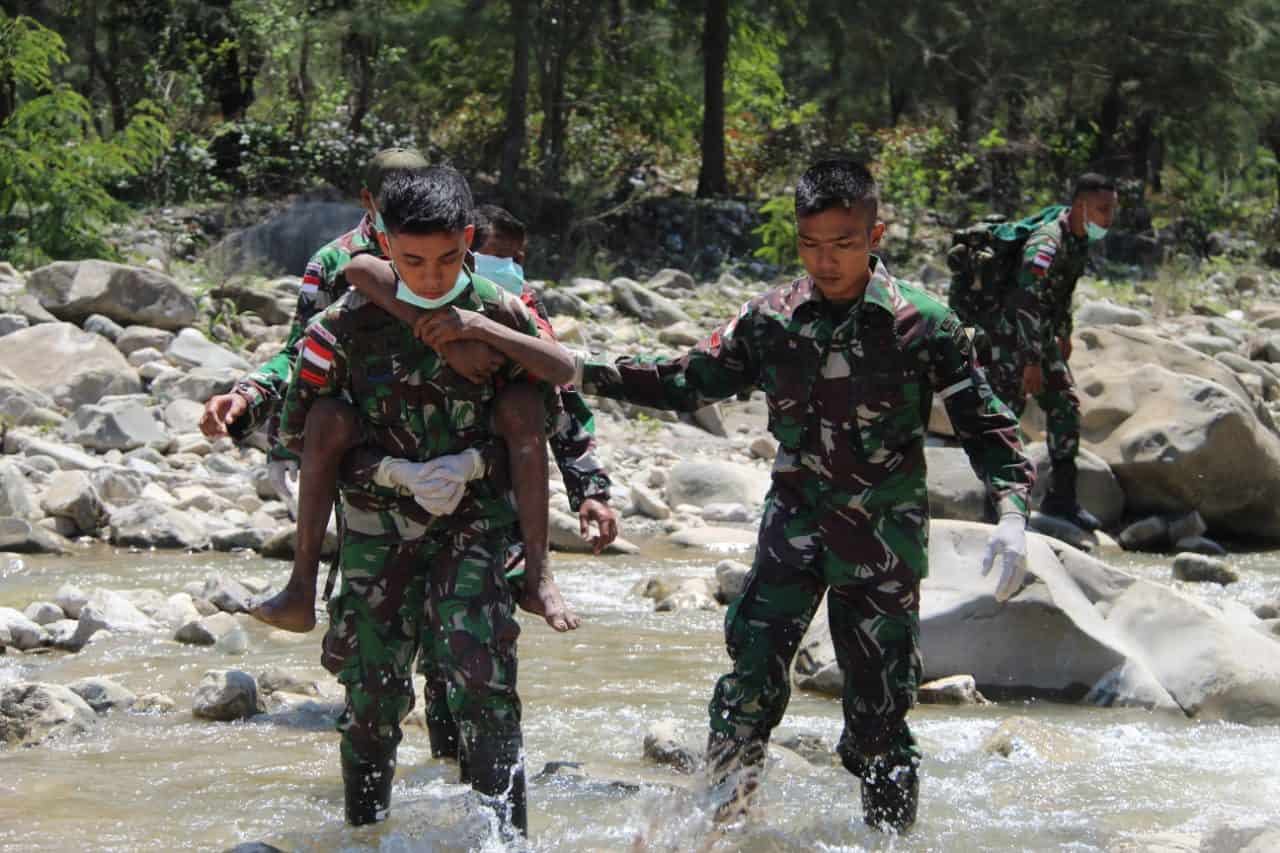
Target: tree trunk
362,47
561,41
712,179
119,113
517,101
1143,142
302,87
1108,121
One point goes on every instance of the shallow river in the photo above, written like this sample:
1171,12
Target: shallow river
169,782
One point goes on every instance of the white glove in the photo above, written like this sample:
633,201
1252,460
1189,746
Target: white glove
1010,537
437,486
283,475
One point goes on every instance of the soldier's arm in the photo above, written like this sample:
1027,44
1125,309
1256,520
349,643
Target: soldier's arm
510,330
573,443
720,366
1028,299
984,425
264,388
320,371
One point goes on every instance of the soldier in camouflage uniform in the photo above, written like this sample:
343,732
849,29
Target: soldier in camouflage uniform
849,359
255,399
427,519
1025,343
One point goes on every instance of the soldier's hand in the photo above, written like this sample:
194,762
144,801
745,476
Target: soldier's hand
1032,379
221,411
451,324
1008,540
472,360
606,522
1064,344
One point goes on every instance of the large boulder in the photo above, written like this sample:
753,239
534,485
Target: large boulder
20,632
286,242
1177,442
1109,314
1096,485
1115,346
646,305
149,524
16,497
192,349
71,495
135,338
19,536
118,426
1078,628
93,384
269,305
702,483
72,290
25,406
49,357
199,383
32,712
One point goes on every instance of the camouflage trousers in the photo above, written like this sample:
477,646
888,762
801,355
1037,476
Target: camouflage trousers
444,591
1058,400
875,627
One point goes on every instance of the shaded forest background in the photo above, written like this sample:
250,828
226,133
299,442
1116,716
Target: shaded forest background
573,113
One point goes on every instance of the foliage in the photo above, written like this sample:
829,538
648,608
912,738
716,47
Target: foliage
778,235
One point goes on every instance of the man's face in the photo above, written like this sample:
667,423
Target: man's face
428,263
835,248
505,246
1099,207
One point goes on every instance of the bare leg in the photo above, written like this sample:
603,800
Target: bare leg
331,430
521,416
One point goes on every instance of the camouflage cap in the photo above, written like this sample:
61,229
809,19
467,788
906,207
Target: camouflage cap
390,160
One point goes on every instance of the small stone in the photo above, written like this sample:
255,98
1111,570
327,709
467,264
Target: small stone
44,612
153,703
764,448
649,503
275,680
1268,610
1200,545
1145,535
102,694
227,694
952,690
206,631
71,599
731,579
1197,568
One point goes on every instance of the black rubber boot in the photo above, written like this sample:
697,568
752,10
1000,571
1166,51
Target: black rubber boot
1061,500
889,795
366,785
494,767
735,767
442,730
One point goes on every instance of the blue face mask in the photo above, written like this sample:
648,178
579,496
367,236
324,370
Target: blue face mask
1094,232
404,294
504,272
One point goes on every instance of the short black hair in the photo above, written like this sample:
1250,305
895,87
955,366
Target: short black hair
836,182
493,220
431,201
1091,182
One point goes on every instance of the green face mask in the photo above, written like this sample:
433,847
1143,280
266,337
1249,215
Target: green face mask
404,294
1093,233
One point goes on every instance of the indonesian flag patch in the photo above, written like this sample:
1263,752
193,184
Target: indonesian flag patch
316,361
311,278
1043,260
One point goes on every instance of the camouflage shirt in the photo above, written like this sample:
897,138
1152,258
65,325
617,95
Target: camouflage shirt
849,391
572,429
413,406
322,285
1053,259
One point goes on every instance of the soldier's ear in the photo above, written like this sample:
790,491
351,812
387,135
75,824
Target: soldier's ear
877,232
469,234
384,243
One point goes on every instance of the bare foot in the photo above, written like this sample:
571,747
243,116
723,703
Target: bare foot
291,609
542,597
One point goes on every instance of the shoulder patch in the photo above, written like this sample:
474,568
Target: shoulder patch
312,277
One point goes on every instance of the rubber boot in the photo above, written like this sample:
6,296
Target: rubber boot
366,786
735,767
890,794
442,728
1061,500
494,767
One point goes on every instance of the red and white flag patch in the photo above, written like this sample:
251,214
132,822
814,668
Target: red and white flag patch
316,361
1043,260
311,277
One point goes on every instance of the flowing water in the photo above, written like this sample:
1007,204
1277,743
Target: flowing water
168,781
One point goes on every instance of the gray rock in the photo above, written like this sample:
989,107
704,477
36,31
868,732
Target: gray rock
702,483
20,632
284,243
102,694
146,355
72,290
207,631
952,690
566,536
31,712
71,495
1096,485
1186,526
672,279
16,498
649,503
713,538
44,612
954,490
136,338
227,694
731,579
1268,610
199,383
192,349
117,485
1148,534
560,303
662,746
1108,314
1200,545
148,524
711,420
765,448
99,325
280,545
238,538
67,458
71,599
1197,568
227,594
275,680
110,611
23,405
49,358
10,323
93,384
183,416
153,703
726,513
681,335
1062,530
177,610
18,536
62,635
268,305
646,305
1209,344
